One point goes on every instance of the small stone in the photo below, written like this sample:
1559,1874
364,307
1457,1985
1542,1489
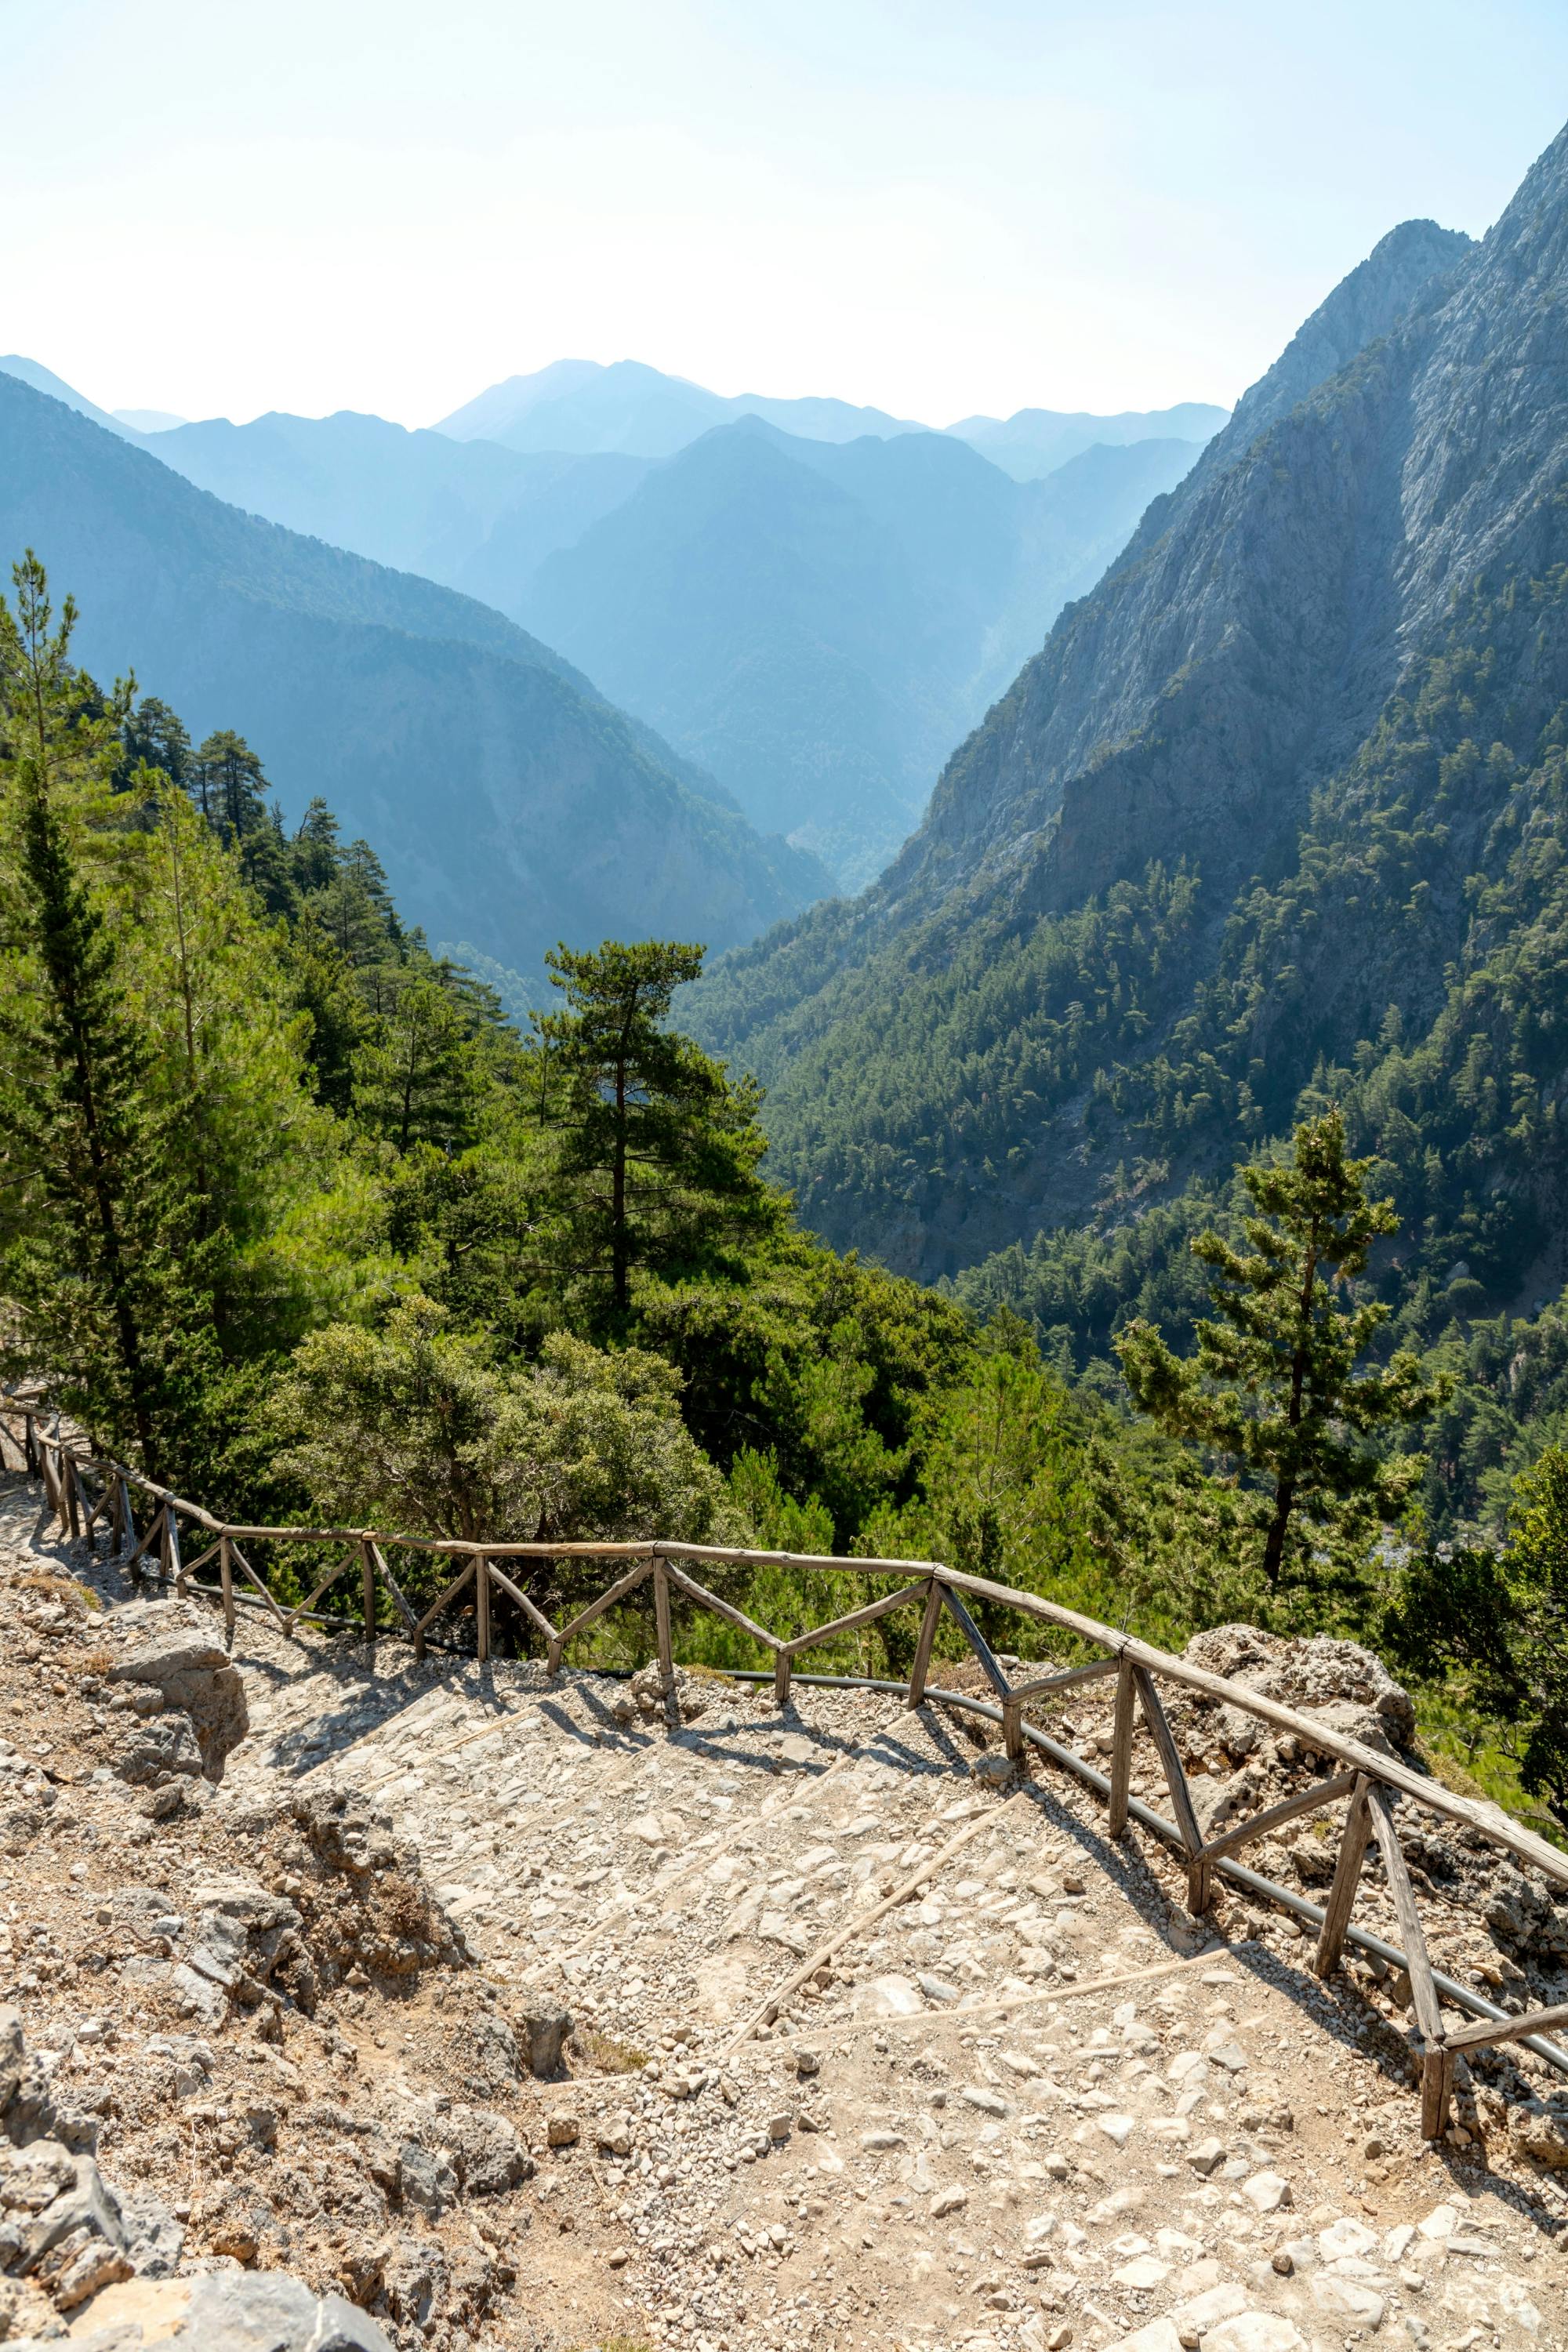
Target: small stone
618,2257
807,2062
1350,2238
1284,2262
990,2103
937,1989
886,1996
1073,1884
1142,2273
1255,2331
547,2026
780,2125
948,2200
1117,2128
1267,2191
563,2129
1205,2155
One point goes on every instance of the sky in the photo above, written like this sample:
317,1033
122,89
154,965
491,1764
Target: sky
940,207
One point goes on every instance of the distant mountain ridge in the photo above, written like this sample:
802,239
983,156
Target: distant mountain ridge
512,804
638,410
1037,441
585,408
814,622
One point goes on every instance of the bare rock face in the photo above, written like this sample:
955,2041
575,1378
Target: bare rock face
66,2233
205,1695
153,1753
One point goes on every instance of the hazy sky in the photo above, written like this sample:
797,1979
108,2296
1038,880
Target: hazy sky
937,206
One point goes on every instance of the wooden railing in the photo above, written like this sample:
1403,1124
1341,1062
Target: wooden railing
1366,1783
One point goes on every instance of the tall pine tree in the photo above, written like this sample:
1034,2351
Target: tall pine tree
1274,1382
100,1259
660,1147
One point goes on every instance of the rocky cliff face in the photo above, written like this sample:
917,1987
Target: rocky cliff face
1180,710
1335,650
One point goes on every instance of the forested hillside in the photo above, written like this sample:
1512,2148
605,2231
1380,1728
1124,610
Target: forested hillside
286,1204
509,801
1275,820
291,1217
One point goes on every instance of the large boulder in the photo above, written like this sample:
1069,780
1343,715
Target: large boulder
194,1678
1349,1689
258,2311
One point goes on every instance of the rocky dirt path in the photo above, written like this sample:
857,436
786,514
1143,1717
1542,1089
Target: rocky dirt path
1021,2102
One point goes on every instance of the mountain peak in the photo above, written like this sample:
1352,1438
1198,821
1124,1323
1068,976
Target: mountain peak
1362,308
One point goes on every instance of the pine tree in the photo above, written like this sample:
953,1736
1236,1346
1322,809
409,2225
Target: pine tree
660,1147
153,737
100,1262
418,1081
1492,1628
1274,1382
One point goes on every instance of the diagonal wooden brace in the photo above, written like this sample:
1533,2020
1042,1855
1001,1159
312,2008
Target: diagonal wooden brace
1165,1739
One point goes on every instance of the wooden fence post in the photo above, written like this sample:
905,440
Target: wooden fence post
1121,1751
921,1666
482,1607
665,1643
225,1577
367,1586
1347,1873
782,1667
1437,2062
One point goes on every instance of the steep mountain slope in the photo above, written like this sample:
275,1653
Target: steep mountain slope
512,806
637,411
43,379
1278,809
817,622
1036,441
825,665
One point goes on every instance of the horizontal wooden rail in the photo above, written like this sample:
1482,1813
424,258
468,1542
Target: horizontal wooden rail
1366,1781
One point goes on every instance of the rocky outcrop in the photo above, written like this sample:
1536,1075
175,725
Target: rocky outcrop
66,2233
187,1672
1490,1919
230,2314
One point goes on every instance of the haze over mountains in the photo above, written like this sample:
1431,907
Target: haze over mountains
640,412
511,805
814,615
1276,813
